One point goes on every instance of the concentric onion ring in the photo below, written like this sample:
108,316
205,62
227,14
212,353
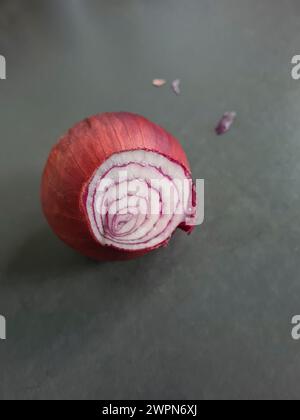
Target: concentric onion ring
137,199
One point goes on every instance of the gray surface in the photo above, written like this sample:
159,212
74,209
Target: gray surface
208,317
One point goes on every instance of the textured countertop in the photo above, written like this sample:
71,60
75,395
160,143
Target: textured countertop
210,316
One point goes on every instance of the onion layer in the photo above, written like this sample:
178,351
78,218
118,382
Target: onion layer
117,186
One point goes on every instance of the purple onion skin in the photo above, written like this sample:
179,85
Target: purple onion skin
176,86
225,123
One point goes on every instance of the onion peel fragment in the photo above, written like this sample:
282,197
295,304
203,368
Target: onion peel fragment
159,82
225,123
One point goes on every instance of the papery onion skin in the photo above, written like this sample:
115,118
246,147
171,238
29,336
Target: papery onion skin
75,159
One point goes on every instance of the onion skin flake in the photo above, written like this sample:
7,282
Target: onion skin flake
176,86
225,123
158,82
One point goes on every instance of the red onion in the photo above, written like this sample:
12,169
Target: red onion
117,186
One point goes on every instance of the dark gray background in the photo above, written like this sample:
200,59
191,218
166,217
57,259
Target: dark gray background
210,316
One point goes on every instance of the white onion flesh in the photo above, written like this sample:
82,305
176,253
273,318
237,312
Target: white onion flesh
137,199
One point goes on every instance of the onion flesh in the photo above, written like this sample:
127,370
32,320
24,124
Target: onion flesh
137,199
